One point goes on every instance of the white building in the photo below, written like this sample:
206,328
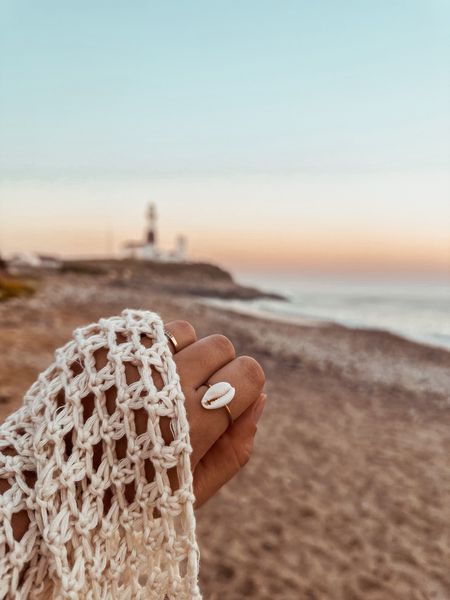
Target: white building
148,249
22,260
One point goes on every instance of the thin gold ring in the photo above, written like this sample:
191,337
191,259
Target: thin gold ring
226,407
172,339
230,416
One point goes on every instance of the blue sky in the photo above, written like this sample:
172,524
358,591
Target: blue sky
169,96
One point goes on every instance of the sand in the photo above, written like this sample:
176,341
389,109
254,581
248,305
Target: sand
347,495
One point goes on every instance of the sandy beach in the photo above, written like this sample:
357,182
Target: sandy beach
347,494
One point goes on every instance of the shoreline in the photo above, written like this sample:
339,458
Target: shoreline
310,321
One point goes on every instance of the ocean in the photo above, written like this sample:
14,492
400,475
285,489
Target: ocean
418,310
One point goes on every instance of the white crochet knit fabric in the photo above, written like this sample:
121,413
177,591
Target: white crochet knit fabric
105,522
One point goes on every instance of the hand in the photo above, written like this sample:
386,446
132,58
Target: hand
219,450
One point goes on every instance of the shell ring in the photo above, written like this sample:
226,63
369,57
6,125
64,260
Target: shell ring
219,395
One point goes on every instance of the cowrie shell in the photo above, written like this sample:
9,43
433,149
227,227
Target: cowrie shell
218,395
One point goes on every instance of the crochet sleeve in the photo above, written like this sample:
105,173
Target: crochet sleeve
109,498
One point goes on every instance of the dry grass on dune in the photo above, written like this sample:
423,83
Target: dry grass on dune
347,494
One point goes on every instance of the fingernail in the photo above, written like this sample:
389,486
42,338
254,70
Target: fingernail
259,407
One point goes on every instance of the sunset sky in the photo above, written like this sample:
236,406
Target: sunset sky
275,135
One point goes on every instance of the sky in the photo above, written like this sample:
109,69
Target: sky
277,136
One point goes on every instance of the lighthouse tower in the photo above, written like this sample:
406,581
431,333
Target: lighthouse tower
149,250
151,230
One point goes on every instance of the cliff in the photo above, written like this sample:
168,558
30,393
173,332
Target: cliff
193,278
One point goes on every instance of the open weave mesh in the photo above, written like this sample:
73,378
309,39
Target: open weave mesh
107,496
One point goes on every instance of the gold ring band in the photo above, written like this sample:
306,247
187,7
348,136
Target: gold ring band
172,339
230,416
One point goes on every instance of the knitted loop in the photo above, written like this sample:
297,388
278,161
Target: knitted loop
87,461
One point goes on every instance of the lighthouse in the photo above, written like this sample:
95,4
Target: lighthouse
151,230
147,249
